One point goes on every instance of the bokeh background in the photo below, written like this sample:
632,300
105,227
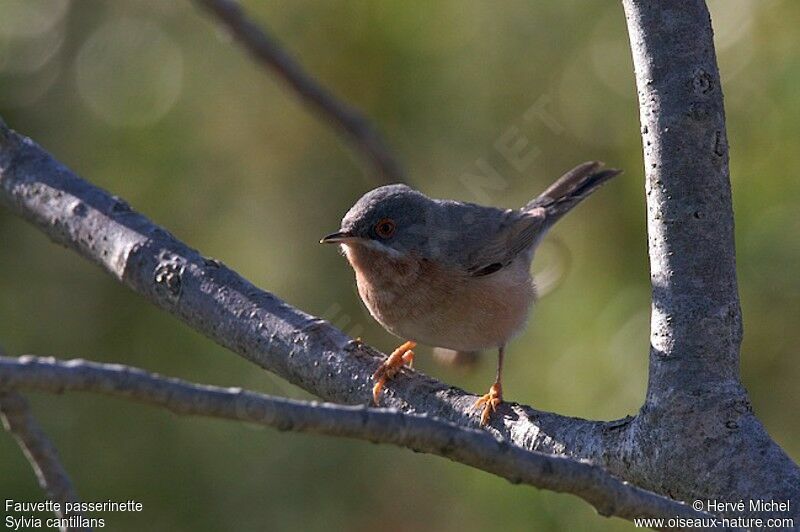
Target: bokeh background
149,100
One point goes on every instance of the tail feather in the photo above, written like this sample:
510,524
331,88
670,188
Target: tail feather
463,360
571,188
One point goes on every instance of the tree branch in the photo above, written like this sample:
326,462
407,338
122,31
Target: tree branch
364,137
697,326
694,400
257,325
38,449
475,448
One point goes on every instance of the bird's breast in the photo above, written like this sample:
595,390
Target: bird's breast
417,299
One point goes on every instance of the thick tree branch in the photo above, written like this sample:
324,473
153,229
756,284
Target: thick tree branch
468,446
363,135
696,325
696,413
257,325
38,449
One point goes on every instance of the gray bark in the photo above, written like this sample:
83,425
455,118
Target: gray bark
477,448
697,413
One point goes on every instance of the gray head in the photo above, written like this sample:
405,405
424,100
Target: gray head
390,218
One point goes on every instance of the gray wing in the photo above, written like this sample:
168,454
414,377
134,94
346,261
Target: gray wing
488,239
513,238
480,240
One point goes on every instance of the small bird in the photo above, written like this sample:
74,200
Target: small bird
450,274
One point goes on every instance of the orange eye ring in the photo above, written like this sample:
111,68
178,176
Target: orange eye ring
385,227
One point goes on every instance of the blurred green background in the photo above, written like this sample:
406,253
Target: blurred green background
149,100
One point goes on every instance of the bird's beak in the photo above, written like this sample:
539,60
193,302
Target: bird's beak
338,237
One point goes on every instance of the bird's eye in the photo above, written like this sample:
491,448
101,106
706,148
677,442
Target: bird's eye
385,228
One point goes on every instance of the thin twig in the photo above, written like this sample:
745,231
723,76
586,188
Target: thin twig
40,452
361,133
418,432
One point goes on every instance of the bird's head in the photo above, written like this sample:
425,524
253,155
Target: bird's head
391,219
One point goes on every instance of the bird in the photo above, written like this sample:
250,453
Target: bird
451,274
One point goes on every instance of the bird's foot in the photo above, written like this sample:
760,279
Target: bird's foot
391,366
490,402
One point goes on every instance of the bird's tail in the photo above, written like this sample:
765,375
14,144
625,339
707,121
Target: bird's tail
465,361
570,189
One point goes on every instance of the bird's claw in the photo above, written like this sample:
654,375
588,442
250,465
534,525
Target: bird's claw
400,357
490,402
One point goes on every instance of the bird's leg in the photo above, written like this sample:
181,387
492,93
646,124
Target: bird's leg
492,400
391,366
